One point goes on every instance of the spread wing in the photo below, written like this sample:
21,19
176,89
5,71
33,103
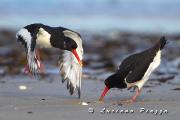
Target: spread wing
69,66
26,39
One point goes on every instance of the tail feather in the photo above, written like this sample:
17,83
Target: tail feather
79,92
71,89
162,42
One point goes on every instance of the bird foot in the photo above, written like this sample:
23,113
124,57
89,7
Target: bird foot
100,102
127,102
41,68
132,100
27,70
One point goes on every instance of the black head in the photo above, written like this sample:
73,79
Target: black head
69,44
112,81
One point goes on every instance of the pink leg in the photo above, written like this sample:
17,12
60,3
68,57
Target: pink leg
133,99
40,65
27,71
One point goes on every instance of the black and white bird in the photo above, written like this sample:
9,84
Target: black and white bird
36,36
135,70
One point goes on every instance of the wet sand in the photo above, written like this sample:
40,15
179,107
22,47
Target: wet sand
48,99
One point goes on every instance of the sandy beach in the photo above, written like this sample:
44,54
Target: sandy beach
48,99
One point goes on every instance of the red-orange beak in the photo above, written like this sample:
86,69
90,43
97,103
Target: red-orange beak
106,89
77,56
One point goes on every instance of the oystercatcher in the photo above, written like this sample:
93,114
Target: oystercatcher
135,70
36,36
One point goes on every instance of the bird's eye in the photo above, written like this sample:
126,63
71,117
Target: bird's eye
74,46
106,82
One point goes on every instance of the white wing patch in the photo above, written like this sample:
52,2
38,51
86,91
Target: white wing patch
31,55
25,35
69,66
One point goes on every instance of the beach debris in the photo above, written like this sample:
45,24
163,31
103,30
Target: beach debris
149,91
43,99
22,87
16,108
165,79
29,112
176,89
83,103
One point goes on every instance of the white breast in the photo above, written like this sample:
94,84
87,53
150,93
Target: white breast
156,62
43,39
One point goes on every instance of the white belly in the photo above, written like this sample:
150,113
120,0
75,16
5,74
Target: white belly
43,39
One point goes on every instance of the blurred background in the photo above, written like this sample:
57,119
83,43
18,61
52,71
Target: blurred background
115,27
160,16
